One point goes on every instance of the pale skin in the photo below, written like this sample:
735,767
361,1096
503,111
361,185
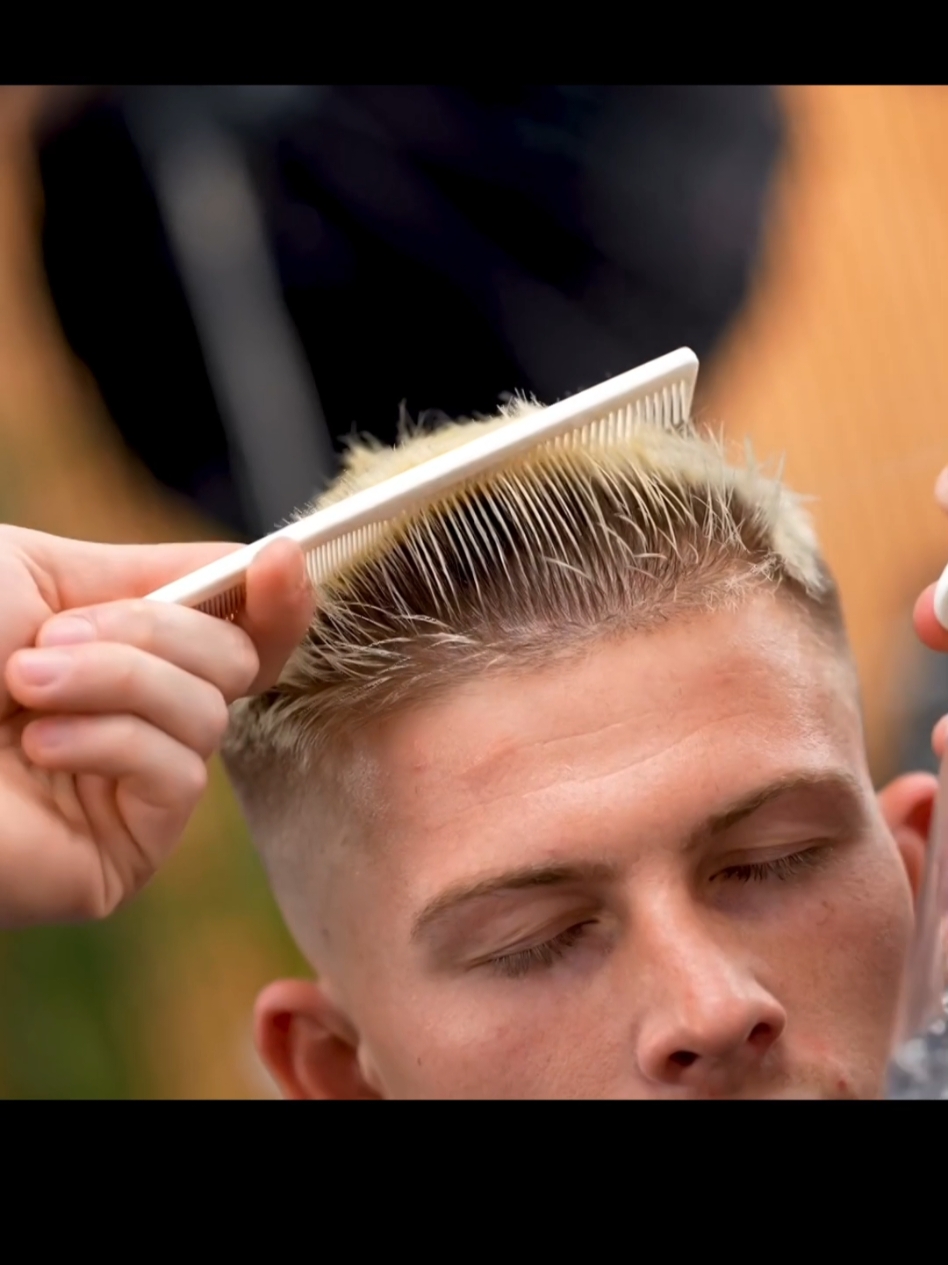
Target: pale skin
611,798
103,760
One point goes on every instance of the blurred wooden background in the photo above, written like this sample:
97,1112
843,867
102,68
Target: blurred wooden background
836,363
839,361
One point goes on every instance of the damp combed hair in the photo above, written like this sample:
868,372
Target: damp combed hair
532,561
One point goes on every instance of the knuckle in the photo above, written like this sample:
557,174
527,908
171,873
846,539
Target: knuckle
138,618
195,728
218,717
245,664
250,661
125,733
132,621
123,669
192,777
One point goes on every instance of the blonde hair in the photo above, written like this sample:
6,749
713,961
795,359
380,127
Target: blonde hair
529,562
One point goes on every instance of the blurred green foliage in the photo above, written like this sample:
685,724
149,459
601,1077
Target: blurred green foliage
78,1004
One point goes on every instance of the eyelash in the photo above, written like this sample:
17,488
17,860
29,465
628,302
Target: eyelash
516,965
782,868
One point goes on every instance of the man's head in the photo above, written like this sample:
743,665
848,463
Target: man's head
565,794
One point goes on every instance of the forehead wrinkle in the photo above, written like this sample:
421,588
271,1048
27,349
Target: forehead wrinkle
506,779
428,752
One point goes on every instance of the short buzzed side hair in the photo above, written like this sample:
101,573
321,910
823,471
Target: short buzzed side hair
531,562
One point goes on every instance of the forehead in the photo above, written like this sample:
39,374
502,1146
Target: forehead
653,725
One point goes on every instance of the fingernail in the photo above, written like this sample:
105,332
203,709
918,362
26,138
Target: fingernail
39,668
941,489
68,630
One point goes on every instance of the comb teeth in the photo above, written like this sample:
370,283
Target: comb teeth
656,395
226,605
666,408
325,560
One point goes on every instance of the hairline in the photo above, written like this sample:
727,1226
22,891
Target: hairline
823,620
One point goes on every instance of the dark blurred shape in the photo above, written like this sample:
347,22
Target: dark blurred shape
442,246
280,448
927,703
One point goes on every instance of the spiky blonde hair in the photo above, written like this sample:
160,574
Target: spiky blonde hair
528,562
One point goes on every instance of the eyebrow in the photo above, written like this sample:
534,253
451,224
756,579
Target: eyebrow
525,878
836,783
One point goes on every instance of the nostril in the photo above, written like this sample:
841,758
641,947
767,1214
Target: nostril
760,1033
683,1058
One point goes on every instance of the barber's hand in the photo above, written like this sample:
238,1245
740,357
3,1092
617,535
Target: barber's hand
927,626
110,708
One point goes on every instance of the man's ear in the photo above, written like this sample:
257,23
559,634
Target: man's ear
907,805
308,1044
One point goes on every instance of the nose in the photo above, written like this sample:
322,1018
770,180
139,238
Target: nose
711,1026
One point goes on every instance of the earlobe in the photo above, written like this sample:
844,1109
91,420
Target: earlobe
308,1044
907,806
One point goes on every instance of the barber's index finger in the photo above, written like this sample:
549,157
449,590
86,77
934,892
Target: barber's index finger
81,573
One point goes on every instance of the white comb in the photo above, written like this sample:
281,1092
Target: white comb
658,393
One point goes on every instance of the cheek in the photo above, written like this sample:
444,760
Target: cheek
842,979
871,926
496,1039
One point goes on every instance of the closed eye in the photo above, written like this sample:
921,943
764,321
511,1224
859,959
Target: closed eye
519,963
785,867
